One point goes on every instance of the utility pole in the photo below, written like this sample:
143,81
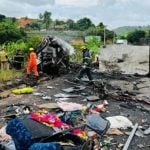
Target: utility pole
104,37
149,57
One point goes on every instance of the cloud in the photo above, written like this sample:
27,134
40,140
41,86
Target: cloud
34,2
77,3
113,13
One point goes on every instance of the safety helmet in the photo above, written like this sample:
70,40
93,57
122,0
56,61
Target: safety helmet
83,47
31,49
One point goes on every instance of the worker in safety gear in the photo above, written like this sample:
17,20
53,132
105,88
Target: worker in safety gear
32,64
86,69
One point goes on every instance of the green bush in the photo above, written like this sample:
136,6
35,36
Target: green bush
24,46
10,33
33,42
94,45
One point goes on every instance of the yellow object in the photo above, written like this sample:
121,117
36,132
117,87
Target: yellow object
27,90
31,49
3,56
83,47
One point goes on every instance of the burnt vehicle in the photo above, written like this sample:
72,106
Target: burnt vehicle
53,55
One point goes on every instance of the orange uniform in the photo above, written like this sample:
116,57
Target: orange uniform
32,65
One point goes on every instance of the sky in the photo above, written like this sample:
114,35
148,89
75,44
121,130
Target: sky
113,13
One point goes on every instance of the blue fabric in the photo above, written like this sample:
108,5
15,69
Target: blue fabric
21,136
46,146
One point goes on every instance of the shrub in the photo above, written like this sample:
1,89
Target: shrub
10,33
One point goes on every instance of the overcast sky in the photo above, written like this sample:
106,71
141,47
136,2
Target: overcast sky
113,13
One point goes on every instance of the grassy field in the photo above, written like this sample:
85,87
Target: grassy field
7,75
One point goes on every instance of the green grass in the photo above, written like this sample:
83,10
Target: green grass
7,75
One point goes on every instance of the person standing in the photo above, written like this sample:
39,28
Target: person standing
86,69
32,64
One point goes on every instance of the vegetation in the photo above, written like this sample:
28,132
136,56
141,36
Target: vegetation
46,19
10,33
94,45
134,37
7,75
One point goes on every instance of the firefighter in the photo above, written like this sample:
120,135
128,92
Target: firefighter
32,64
86,69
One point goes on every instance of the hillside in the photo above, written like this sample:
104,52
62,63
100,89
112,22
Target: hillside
125,29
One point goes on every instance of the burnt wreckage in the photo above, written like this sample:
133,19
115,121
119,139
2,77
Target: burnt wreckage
53,55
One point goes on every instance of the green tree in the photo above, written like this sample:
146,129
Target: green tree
101,25
47,19
59,22
84,24
71,24
134,37
40,16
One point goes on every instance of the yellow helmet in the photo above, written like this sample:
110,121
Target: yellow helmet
83,47
31,49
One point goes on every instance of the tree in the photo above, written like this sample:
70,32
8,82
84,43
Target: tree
71,24
59,22
134,37
40,16
47,19
2,17
84,24
101,25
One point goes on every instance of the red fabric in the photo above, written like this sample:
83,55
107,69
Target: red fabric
51,119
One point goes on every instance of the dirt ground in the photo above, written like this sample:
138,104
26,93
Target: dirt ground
114,83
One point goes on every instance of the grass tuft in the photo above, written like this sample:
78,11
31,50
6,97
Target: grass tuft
7,75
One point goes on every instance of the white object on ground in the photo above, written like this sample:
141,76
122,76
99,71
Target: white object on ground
38,94
65,106
46,98
119,122
50,87
62,95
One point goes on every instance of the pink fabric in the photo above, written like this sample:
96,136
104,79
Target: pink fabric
50,119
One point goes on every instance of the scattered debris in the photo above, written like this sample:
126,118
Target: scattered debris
62,95
130,137
147,131
74,89
119,122
139,133
92,98
65,106
46,97
114,132
49,106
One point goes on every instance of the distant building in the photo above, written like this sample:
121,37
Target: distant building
122,41
24,22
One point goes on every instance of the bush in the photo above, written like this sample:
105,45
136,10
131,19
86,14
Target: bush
33,42
10,33
94,45
24,46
